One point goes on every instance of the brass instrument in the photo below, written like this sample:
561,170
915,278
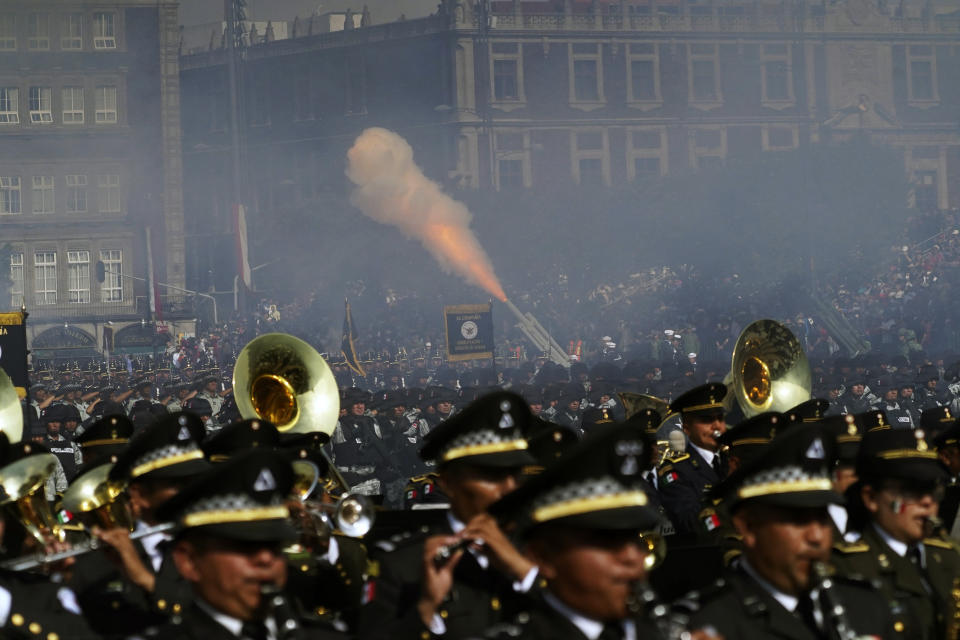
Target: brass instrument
280,378
769,369
352,514
24,563
634,403
656,550
95,501
22,485
11,415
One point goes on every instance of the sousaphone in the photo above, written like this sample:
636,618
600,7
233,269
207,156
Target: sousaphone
284,380
769,369
11,415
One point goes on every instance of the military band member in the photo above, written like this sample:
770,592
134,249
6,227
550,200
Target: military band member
232,526
135,584
900,483
684,477
418,594
212,394
948,452
779,507
581,522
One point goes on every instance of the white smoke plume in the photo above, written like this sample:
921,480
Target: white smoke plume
391,189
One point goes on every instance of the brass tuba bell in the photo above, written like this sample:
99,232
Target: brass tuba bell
283,379
634,403
769,370
22,486
93,500
11,415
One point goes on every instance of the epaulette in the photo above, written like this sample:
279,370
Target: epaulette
677,458
730,556
754,606
693,599
935,542
859,580
851,547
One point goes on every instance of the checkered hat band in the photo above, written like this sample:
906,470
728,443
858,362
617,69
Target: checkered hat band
233,507
784,480
484,441
164,457
597,494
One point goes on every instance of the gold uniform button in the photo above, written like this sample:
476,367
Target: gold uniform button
52,636
161,604
35,628
115,604
177,607
444,614
424,635
898,626
304,568
495,604
17,620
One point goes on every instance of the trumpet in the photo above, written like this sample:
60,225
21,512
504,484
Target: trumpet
447,551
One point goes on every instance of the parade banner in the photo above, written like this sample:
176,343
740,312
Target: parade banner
469,331
13,348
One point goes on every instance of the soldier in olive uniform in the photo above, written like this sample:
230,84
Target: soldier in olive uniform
581,521
137,585
421,592
233,524
900,483
683,477
31,604
779,507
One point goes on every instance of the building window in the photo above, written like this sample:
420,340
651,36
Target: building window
104,31
38,31
9,111
106,103
922,73
8,33
71,32
513,160
78,277
42,194
925,191
45,277
586,73
507,71
646,153
16,276
776,82
591,165
72,98
41,105
108,192
10,195
643,79
76,194
779,138
112,288
704,73
708,147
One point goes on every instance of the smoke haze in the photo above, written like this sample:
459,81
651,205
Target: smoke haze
391,189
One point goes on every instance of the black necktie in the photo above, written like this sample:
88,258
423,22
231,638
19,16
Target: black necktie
254,631
717,465
913,554
804,611
611,631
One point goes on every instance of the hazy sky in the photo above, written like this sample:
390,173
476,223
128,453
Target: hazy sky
194,12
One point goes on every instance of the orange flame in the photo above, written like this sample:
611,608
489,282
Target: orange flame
460,248
391,189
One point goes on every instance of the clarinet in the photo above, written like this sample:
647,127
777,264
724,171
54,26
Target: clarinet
288,628
834,613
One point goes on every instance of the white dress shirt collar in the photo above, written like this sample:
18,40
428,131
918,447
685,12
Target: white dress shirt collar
233,625
588,626
706,455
